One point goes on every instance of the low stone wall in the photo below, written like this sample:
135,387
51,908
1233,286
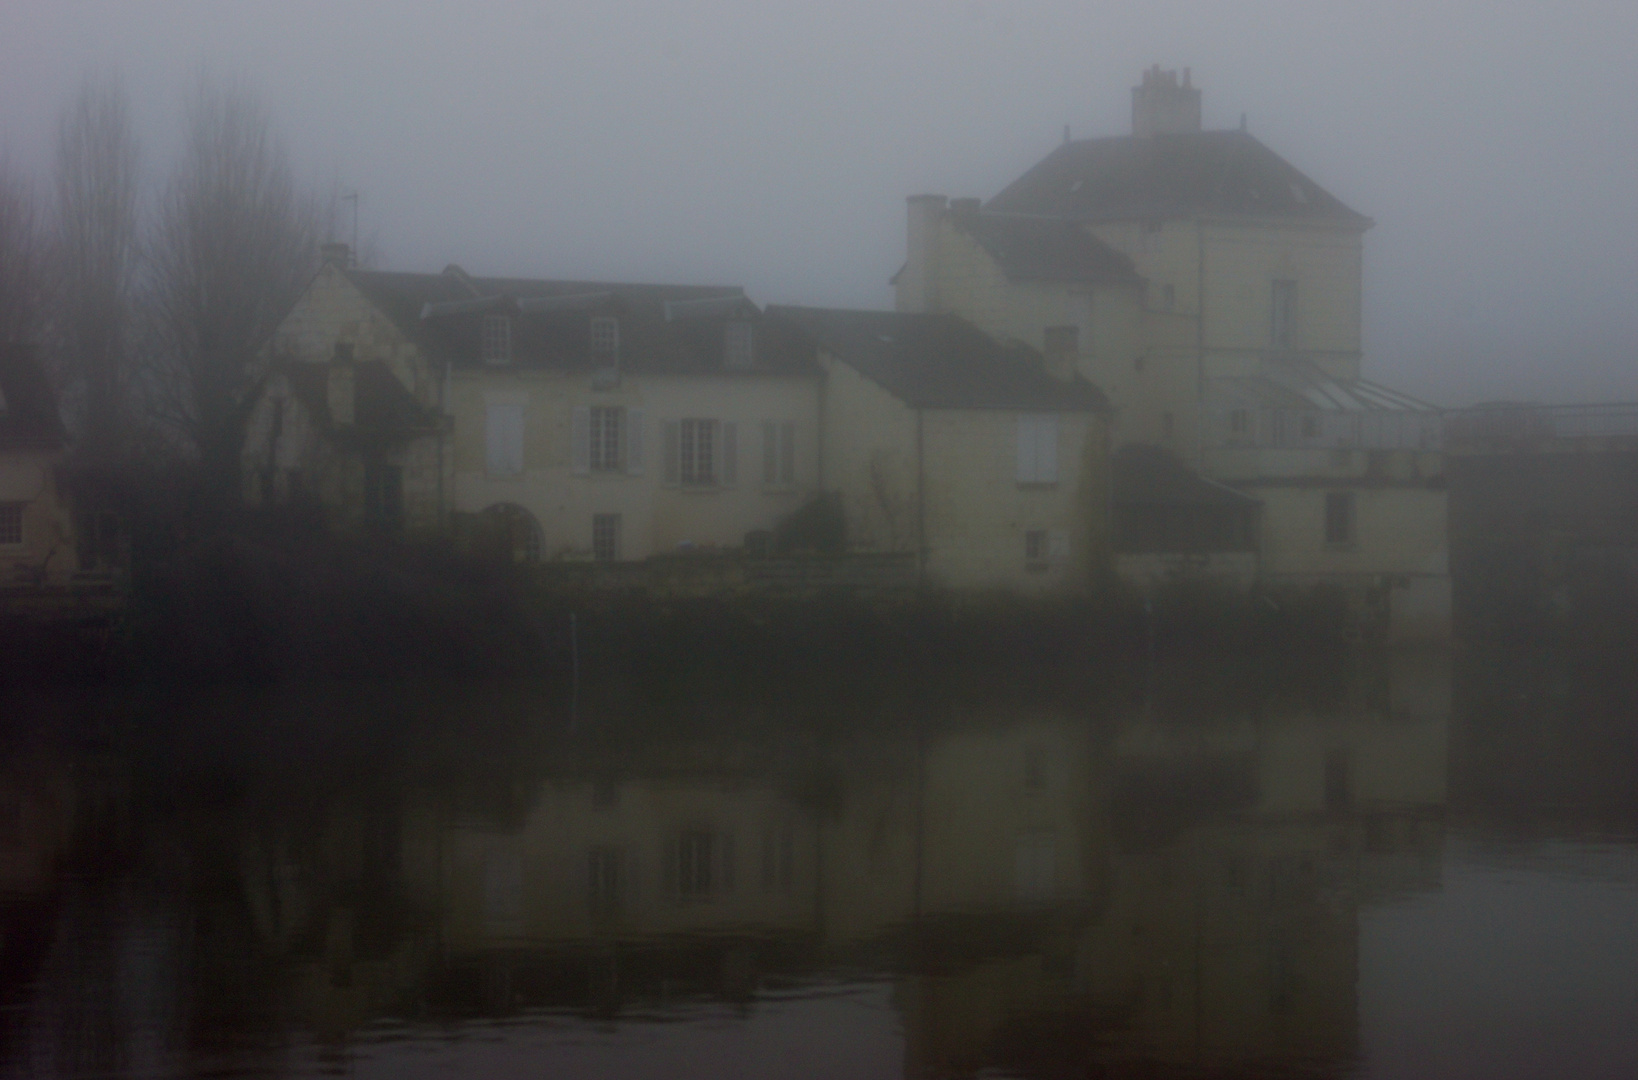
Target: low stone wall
680,576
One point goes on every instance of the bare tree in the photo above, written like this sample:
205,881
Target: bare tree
96,257
22,260
234,243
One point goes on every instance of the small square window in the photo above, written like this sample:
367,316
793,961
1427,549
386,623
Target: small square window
11,523
739,345
606,537
1035,549
497,339
605,336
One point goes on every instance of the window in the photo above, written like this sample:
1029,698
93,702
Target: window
606,537
1339,518
1037,449
384,497
1044,547
605,438
701,453
778,453
605,879
503,439
739,345
497,339
700,864
11,523
1284,316
605,336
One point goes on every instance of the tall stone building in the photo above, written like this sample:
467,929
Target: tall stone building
1214,291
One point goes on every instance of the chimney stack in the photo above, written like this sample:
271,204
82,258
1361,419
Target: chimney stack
337,254
918,282
1162,106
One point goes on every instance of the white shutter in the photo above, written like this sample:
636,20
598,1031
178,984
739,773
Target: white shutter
634,442
582,440
770,453
787,452
673,451
730,453
503,438
1026,450
1046,450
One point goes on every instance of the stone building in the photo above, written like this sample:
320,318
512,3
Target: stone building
1215,292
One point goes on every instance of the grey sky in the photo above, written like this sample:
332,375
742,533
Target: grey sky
771,144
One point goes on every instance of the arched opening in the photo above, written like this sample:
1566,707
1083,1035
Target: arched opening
512,532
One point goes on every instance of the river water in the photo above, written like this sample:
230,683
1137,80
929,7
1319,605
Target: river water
1406,866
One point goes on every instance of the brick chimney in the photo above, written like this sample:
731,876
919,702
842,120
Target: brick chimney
1162,106
337,254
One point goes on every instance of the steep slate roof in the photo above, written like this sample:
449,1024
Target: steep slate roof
1043,249
1153,476
1154,177
940,361
28,409
664,329
383,410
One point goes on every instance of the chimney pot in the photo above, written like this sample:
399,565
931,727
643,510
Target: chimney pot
1160,106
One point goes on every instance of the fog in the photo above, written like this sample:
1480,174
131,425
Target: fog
772,144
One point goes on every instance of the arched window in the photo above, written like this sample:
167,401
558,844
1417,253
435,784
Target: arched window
515,530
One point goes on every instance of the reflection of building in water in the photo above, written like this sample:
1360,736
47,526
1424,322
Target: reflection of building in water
1241,854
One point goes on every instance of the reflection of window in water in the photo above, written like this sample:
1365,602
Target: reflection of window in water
1035,768
778,855
701,864
502,891
1036,866
605,879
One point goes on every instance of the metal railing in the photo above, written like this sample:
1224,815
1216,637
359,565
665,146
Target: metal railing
1515,424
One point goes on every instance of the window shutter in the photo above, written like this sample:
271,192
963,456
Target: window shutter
1026,450
634,442
787,453
503,438
673,449
582,440
770,453
1046,450
730,453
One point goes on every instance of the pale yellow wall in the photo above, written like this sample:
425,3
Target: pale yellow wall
331,310
30,477
976,512
1238,263
1401,530
655,518
869,448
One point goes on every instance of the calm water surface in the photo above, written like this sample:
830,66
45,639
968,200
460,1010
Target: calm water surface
1405,867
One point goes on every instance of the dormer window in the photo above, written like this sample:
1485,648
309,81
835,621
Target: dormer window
497,339
605,336
739,345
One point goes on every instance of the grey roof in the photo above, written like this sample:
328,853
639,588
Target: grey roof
1154,177
28,409
940,361
1146,475
442,314
1044,249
